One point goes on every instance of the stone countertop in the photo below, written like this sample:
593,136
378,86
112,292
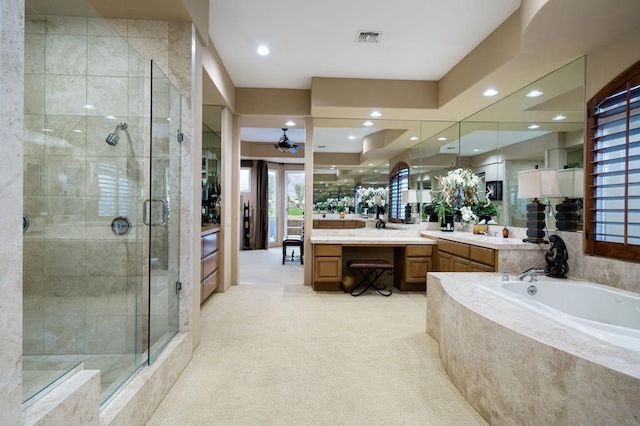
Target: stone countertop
205,230
368,236
496,243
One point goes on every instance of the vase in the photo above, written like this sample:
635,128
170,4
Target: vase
446,224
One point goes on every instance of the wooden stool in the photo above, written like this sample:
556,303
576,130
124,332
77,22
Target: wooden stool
293,241
370,270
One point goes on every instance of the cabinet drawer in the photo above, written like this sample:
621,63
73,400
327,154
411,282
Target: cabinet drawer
328,250
208,286
454,248
482,255
209,264
209,244
419,251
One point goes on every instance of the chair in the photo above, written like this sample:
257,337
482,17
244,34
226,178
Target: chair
293,241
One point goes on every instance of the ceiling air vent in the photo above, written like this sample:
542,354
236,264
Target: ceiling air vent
368,36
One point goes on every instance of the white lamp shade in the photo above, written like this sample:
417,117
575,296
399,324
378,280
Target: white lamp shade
425,197
571,182
538,183
409,196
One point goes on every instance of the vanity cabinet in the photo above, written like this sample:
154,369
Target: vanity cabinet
460,257
327,267
411,266
209,263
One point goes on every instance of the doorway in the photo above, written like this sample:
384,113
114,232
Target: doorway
285,203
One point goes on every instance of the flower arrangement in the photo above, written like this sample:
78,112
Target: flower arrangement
458,193
372,197
345,204
459,187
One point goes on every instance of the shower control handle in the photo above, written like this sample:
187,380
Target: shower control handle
146,212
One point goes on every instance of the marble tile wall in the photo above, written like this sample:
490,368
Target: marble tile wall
78,74
11,182
80,280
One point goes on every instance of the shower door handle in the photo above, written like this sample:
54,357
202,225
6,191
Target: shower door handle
146,212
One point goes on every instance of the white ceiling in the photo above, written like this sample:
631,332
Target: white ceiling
421,39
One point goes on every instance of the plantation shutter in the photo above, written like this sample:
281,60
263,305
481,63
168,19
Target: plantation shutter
613,185
398,182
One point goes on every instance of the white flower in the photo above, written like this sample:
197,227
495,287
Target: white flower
468,216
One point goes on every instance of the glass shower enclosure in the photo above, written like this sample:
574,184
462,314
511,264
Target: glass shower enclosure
101,203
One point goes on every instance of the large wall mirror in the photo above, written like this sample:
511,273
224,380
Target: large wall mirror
211,163
540,125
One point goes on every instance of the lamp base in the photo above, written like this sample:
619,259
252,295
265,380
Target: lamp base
567,216
535,223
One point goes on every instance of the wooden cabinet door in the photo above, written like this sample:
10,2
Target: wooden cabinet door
479,267
327,269
416,269
444,262
459,264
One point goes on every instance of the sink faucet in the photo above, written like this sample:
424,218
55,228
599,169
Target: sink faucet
489,234
532,273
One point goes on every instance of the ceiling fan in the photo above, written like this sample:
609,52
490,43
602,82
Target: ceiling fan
285,145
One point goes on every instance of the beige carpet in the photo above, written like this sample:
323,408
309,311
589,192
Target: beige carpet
265,267
286,355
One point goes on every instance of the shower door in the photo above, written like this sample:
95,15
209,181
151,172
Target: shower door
161,211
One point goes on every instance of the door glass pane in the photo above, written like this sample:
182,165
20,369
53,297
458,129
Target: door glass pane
162,215
294,202
272,200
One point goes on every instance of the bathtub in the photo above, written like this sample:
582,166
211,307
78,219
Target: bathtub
605,313
518,361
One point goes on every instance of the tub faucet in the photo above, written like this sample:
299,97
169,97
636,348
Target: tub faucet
532,273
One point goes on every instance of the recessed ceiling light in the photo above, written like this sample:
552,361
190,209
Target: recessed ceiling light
442,138
376,114
263,50
168,118
559,117
77,131
351,137
290,123
476,150
47,130
534,94
413,138
89,107
533,127
359,171
490,92
368,123
370,164
111,117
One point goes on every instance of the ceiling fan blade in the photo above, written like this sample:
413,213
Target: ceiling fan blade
292,150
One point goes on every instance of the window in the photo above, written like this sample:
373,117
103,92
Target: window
612,199
245,179
398,182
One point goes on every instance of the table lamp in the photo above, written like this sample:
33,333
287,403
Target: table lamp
537,183
571,182
408,196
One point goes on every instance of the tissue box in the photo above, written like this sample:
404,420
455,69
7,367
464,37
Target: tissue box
479,229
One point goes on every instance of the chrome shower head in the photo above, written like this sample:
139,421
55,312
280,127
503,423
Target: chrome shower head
113,138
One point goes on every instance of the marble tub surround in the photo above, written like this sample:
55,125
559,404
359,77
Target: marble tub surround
517,367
